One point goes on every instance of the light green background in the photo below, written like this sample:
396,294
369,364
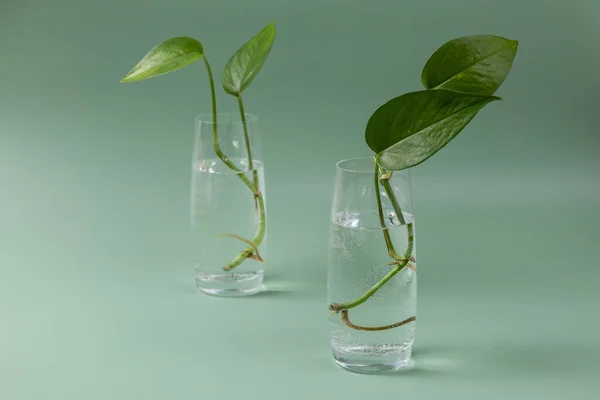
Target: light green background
97,299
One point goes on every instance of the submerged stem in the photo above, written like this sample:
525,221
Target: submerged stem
253,186
346,306
400,262
386,234
258,198
374,328
258,238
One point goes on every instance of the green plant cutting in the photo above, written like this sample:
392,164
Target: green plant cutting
460,78
238,74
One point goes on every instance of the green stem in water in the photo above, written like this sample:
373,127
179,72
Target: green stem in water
346,306
401,261
374,328
256,256
386,233
253,186
257,239
258,197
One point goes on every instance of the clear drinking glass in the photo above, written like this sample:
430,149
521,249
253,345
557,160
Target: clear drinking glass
371,286
228,208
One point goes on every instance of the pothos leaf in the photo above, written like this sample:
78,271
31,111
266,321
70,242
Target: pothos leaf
409,129
168,56
476,64
244,65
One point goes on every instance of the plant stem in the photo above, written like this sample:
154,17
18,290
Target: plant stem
248,252
216,146
383,281
248,147
386,234
374,328
258,197
245,126
257,239
401,262
385,182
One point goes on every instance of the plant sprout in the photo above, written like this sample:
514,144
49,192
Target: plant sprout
460,78
238,74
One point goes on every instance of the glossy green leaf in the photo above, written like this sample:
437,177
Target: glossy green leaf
409,129
244,65
168,56
475,64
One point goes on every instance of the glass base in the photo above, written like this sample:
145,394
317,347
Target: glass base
230,284
366,360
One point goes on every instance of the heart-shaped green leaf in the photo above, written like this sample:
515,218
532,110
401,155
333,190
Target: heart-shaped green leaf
475,64
168,56
245,64
409,129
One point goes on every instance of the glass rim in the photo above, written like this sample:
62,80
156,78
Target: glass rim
362,169
370,170
234,118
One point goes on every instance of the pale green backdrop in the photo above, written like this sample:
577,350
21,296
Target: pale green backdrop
97,299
